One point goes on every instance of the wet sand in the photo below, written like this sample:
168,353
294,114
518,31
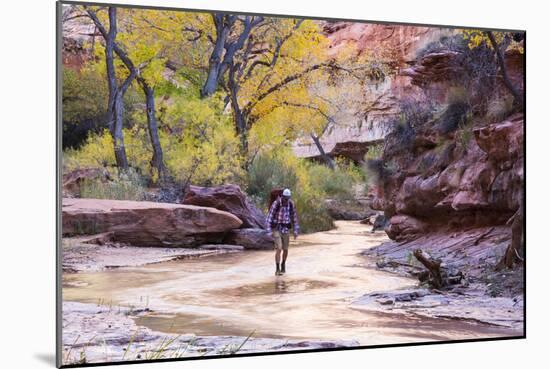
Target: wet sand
236,294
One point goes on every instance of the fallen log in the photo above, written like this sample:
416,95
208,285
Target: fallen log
433,266
436,275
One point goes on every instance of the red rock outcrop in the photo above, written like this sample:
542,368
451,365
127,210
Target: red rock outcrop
432,67
143,223
435,71
402,40
77,31
458,185
228,198
397,46
74,179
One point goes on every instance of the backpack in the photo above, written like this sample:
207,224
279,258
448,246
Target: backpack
274,196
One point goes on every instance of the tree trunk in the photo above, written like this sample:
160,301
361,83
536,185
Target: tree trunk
158,159
239,116
113,88
514,252
222,31
218,66
115,95
328,160
118,137
518,98
242,131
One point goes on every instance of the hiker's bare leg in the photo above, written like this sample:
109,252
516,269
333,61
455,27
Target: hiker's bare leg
283,265
277,261
278,247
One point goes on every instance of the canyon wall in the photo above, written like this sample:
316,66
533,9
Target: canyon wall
441,176
396,45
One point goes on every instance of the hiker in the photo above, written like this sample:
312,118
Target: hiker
281,217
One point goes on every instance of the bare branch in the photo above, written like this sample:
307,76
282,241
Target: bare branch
518,100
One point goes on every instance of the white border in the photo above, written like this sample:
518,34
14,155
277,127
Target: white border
27,184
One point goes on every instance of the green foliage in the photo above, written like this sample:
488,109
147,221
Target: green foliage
457,112
378,170
98,151
338,183
199,143
375,151
464,135
278,169
454,116
202,147
271,170
125,186
84,100
85,95
312,210
499,108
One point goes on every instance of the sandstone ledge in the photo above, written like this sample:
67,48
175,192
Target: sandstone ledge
144,223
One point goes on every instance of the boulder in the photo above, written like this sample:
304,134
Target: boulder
143,223
250,238
503,142
73,180
228,198
380,223
348,210
418,195
401,227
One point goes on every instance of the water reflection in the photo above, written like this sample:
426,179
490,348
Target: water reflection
234,294
280,286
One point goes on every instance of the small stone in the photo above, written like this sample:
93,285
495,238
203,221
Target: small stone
385,301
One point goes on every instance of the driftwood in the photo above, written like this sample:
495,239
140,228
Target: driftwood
436,275
517,245
433,266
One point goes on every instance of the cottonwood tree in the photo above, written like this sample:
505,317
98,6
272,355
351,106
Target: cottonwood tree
232,32
115,115
144,46
311,94
500,42
500,49
279,60
332,104
158,41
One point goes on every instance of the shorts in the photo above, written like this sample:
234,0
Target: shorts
281,240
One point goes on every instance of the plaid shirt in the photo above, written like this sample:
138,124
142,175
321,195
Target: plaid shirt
282,217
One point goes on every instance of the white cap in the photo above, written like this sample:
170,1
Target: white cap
286,192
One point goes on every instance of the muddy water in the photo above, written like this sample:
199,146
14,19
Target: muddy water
236,294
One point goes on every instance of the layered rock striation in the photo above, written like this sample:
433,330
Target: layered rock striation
144,223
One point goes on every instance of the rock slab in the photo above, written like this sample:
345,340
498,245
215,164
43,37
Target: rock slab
228,198
250,238
143,223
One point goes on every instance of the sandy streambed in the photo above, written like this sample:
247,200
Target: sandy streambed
210,305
